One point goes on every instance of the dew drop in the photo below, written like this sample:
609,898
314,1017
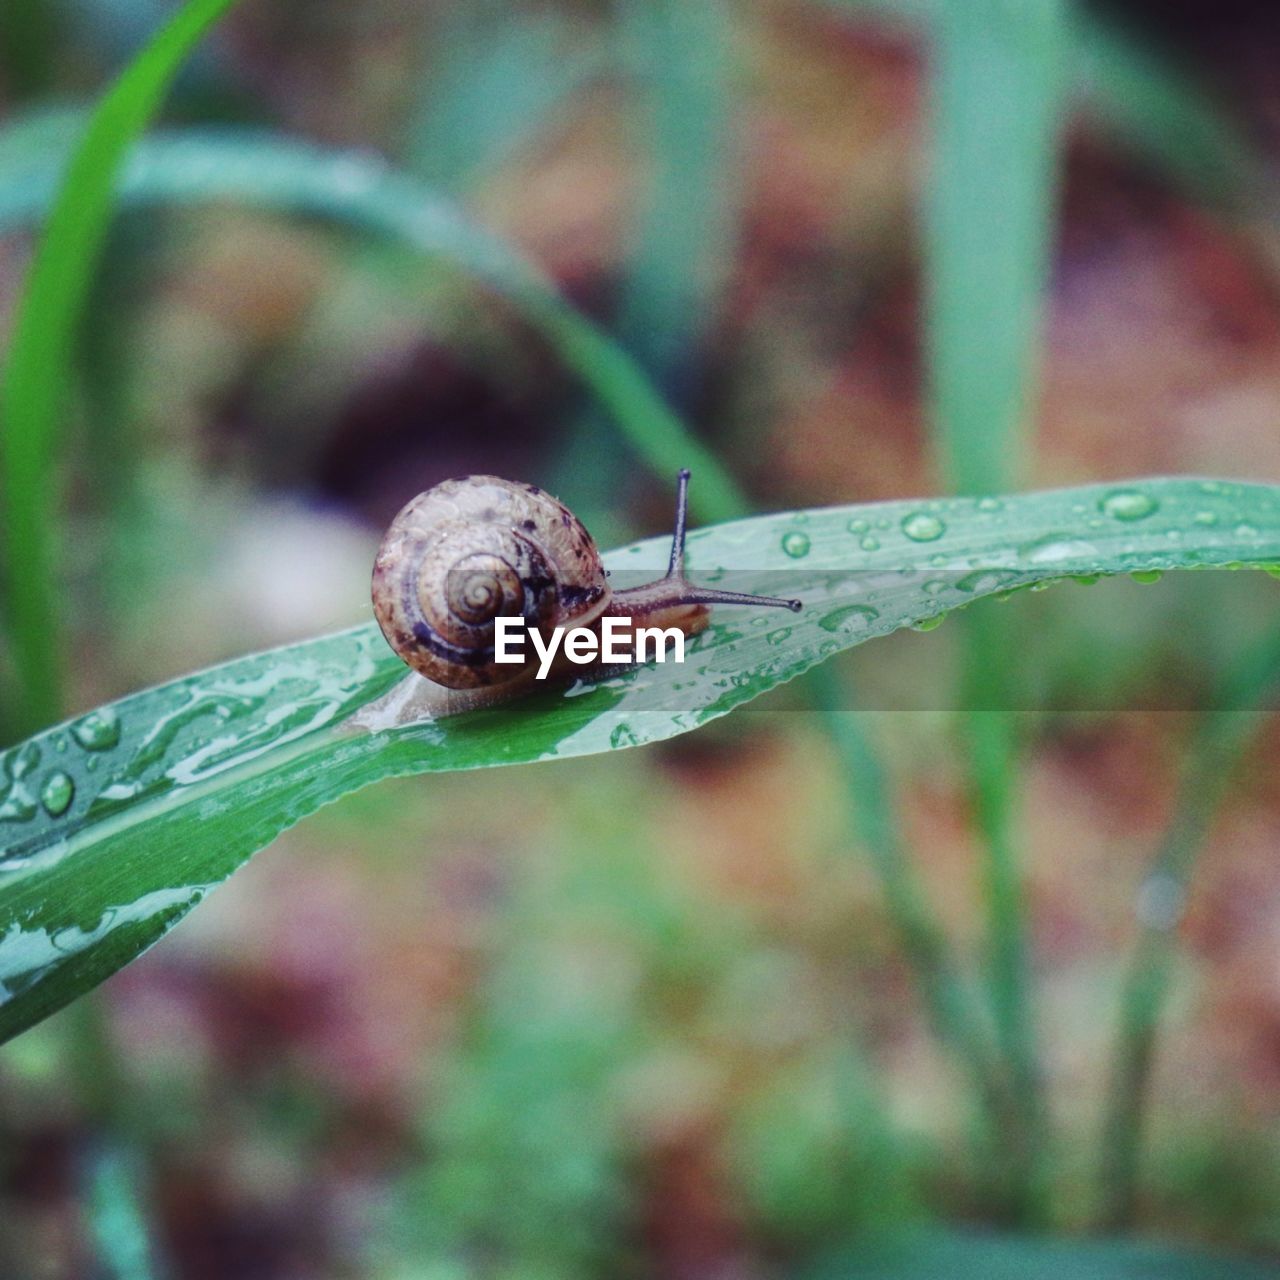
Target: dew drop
781,636
16,803
795,544
852,617
857,525
870,543
980,581
929,624
1146,575
934,587
990,504
98,731
1128,504
1246,531
1056,546
1205,517
622,736
57,793
922,527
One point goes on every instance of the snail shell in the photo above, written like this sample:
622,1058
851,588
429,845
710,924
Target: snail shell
469,551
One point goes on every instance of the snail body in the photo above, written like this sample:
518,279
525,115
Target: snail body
469,551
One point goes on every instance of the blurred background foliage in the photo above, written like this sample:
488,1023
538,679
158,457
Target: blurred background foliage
649,1015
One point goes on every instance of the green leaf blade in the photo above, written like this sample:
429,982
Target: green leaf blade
39,361
182,783
358,189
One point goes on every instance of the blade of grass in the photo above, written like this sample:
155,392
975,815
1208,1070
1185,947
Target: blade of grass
680,238
357,189
39,363
1145,96
1216,751
115,826
950,1005
995,110
996,99
1158,107
1153,104
494,79
116,1220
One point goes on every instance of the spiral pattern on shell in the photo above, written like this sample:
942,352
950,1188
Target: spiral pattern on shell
467,552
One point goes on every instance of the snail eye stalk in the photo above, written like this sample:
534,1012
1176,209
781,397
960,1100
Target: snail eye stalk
704,595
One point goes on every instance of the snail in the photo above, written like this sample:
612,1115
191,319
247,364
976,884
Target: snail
468,552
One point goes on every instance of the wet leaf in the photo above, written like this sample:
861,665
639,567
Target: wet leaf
113,826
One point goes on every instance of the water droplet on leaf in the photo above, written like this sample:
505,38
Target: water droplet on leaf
929,624
98,731
795,544
922,527
980,581
16,802
1055,547
1128,504
852,617
57,793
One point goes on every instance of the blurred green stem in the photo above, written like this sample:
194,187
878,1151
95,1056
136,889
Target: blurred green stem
683,237
995,97
116,1220
40,358
641,414
1217,748
678,54
993,763
956,1018
110,1168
